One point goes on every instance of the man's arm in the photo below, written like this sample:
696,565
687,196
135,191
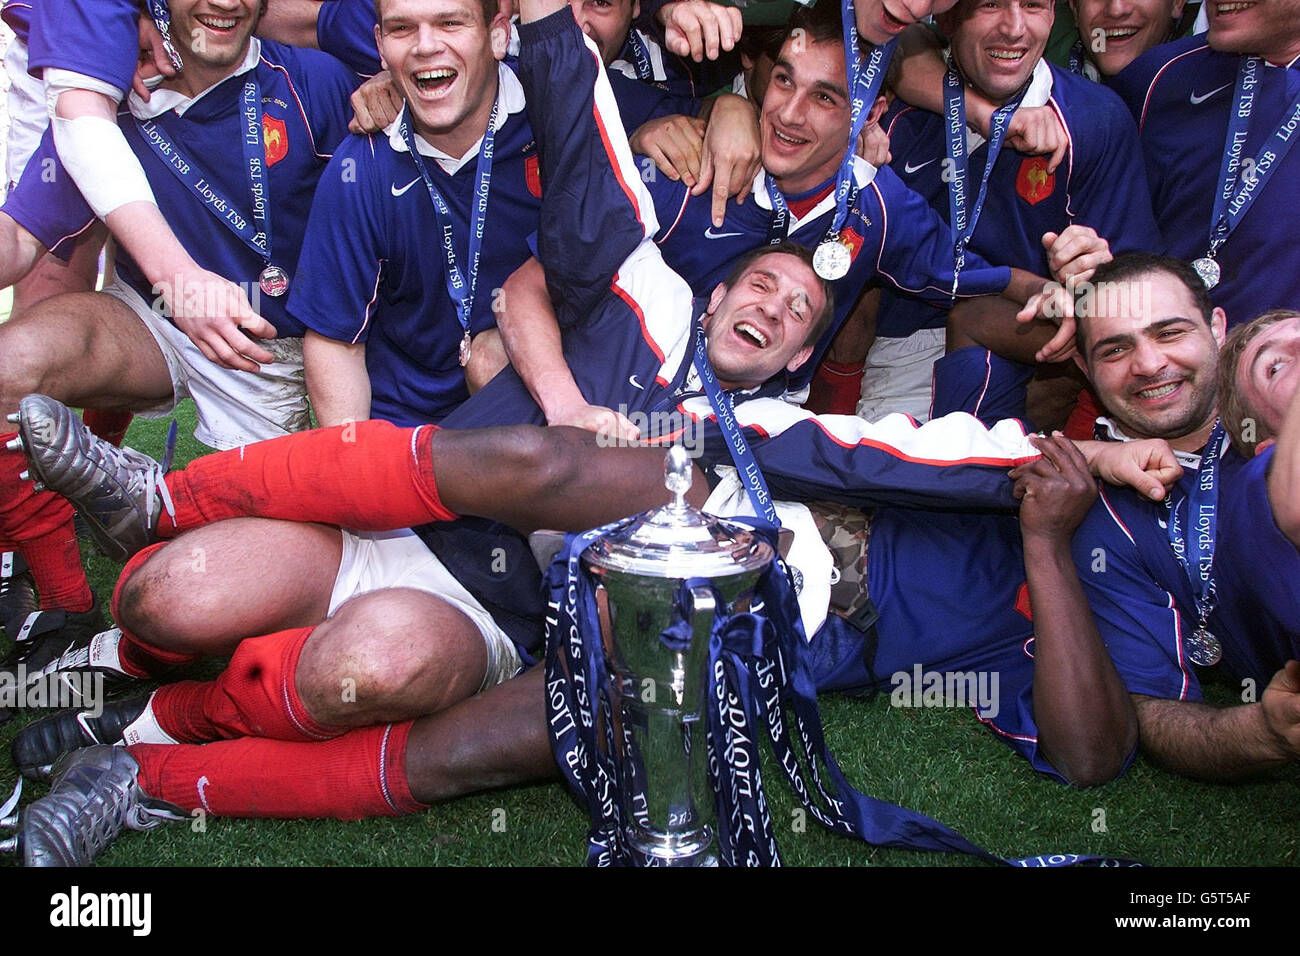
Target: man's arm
1224,743
291,21
1087,726
337,381
532,341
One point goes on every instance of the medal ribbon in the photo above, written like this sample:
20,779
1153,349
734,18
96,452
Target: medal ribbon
459,291
741,455
640,56
778,227
1202,525
254,231
865,81
760,686
1231,202
960,222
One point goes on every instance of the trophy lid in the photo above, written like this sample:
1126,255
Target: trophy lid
677,540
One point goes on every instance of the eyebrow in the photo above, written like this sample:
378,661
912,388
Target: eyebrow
838,89
1127,338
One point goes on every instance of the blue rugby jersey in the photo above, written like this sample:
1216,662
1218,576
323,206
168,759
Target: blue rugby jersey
1099,184
1181,95
1144,604
372,267
97,38
305,104
894,236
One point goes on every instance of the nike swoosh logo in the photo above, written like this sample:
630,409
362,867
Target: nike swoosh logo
908,168
631,380
710,234
1198,100
398,192
202,784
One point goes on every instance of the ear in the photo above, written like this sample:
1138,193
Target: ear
1083,366
636,9
877,110
799,358
716,296
1219,325
380,47
1175,13
499,35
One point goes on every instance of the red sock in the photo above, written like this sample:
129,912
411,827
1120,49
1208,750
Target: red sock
371,476
361,774
136,657
110,426
1079,426
254,697
835,388
39,524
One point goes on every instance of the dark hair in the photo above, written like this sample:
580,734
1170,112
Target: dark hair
489,9
1233,410
1131,265
820,23
822,320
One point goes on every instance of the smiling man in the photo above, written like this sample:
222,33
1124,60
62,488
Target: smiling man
1232,93
405,250
1114,34
1008,199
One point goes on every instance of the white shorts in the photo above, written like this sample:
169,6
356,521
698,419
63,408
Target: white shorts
234,408
28,117
899,375
399,559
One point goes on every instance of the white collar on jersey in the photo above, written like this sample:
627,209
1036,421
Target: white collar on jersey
1039,92
863,171
160,101
510,93
1187,459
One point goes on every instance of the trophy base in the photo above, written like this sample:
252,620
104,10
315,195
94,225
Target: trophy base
692,848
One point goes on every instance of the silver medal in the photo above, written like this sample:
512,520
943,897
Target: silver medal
832,259
1204,648
464,350
273,281
1208,270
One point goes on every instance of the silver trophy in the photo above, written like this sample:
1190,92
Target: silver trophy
662,681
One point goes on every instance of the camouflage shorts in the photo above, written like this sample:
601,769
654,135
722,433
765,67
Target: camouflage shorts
846,532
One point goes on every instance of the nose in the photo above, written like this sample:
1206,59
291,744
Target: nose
428,39
1147,359
1012,22
1116,9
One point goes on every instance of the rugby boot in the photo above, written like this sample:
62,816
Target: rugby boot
42,637
17,593
119,491
95,796
41,743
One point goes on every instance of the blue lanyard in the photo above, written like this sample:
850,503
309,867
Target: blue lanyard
960,222
458,290
778,227
1231,202
640,56
741,456
254,232
162,19
1201,523
865,81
